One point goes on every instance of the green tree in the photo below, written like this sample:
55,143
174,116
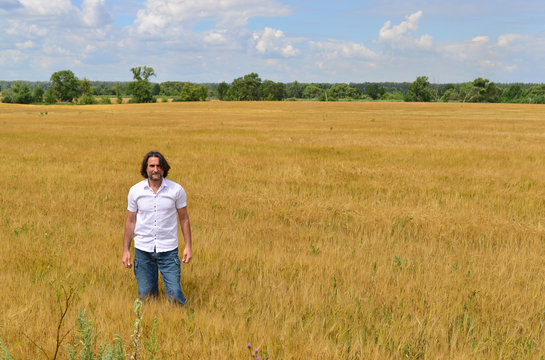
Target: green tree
187,93
492,93
480,90
393,96
171,88
272,91
203,93
141,88
85,86
87,100
49,96
118,95
327,96
514,94
87,92
295,90
245,88
484,90
536,94
19,94
451,94
223,88
343,91
7,96
193,92
468,92
65,85
374,91
312,91
22,94
419,90
142,72
38,94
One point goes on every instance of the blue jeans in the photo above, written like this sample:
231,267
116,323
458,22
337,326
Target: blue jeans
145,269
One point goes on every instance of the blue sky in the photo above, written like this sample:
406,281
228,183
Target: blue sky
308,41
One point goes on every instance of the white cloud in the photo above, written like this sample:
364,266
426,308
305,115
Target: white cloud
56,14
425,41
480,39
488,64
474,51
271,41
453,60
94,13
397,31
8,57
511,39
55,50
400,36
343,49
25,45
216,37
337,61
89,49
289,50
21,29
48,8
482,57
210,40
181,15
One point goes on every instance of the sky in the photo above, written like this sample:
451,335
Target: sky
337,41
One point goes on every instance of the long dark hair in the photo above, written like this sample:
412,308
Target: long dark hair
162,161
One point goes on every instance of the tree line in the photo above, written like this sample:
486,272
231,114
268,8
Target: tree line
65,87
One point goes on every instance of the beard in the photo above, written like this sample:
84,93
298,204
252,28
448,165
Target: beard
155,177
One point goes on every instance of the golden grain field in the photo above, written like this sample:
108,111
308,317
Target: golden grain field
320,230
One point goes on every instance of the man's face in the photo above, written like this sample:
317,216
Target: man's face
154,170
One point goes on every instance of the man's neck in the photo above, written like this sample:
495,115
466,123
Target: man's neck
155,184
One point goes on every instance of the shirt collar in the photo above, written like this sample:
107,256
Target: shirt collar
146,184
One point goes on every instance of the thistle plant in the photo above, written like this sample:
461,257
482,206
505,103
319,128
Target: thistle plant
4,354
254,355
84,342
152,344
137,332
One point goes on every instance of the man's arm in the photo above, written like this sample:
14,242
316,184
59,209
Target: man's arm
186,230
130,223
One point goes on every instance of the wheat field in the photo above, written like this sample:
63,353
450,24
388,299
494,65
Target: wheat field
320,230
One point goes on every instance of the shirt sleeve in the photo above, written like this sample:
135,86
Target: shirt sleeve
181,198
132,202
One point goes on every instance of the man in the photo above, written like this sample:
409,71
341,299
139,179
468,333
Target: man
153,205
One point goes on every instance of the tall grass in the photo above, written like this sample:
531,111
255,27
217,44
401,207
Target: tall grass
321,230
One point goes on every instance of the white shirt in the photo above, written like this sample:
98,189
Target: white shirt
156,215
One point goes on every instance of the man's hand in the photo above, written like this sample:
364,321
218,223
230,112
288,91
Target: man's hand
130,223
187,255
186,230
127,259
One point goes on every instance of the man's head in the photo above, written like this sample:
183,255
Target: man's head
154,165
